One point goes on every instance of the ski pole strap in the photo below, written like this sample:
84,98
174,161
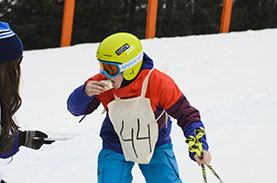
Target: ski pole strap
192,145
199,132
195,143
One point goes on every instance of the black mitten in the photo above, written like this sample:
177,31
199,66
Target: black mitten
32,139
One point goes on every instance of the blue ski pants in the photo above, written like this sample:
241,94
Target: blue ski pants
112,167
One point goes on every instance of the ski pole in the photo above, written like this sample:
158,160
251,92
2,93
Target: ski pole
204,173
199,132
213,171
193,148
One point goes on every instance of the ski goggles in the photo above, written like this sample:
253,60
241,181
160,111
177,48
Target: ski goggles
113,69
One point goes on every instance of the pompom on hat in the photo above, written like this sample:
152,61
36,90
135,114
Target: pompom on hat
11,46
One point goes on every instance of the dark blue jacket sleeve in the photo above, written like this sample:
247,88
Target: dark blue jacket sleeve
189,130
77,102
14,150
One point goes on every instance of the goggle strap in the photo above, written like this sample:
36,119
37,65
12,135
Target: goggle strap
131,63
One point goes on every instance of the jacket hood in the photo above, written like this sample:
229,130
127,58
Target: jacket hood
147,62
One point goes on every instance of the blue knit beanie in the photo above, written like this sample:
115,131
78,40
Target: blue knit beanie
11,46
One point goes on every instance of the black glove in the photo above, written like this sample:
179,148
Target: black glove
32,139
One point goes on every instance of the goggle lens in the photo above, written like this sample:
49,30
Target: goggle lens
110,69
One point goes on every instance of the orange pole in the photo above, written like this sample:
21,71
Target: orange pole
226,16
151,19
68,15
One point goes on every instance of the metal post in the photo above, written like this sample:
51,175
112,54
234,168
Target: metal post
151,19
226,16
68,15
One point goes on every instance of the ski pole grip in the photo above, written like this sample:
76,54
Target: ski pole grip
201,155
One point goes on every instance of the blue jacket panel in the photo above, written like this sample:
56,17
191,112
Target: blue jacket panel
78,101
14,149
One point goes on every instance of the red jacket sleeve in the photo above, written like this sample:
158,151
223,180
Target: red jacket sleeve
172,99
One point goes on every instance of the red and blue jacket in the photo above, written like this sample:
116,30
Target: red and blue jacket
163,93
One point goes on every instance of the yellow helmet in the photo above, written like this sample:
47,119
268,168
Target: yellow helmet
122,51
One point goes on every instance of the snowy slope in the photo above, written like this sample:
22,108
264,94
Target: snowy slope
230,78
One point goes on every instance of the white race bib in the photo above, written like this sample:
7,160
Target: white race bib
135,124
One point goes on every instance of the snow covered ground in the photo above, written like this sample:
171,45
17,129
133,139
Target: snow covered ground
231,78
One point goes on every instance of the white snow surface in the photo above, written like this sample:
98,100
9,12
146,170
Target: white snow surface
231,78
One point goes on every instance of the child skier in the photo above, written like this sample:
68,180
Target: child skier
137,125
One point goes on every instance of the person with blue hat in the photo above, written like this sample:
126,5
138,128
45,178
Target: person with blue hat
11,138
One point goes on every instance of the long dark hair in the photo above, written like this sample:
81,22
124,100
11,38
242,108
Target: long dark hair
10,102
